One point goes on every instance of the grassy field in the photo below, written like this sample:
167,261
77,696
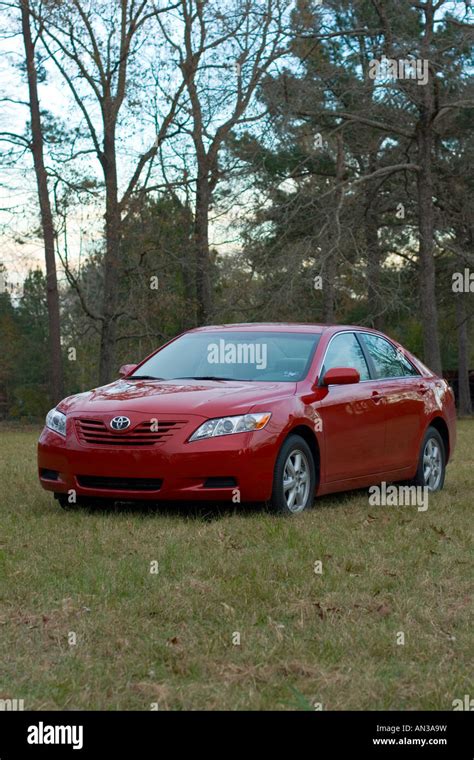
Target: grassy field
169,637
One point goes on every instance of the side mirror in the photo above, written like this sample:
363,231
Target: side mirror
127,369
341,376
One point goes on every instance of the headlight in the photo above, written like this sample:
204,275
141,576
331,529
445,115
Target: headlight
229,425
56,421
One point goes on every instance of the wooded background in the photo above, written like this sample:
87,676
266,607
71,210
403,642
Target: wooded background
231,161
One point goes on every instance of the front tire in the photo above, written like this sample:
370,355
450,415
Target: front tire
64,502
294,478
432,462
86,502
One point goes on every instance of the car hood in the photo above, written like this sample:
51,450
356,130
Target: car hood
208,398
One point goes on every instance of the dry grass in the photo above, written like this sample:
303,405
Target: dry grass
168,638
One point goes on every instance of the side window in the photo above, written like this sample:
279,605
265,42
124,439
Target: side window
388,362
345,351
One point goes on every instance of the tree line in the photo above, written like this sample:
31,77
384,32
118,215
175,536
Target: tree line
240,160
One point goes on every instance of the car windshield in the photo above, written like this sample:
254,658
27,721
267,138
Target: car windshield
228,355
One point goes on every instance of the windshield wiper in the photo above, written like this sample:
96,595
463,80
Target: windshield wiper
202,377
145,377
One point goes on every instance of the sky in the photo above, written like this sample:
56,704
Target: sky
21,248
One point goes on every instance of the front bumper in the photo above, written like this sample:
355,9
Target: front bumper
186,470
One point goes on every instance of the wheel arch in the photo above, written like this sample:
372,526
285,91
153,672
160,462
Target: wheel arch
309,436
439,424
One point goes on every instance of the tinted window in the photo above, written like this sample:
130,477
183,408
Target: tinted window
387,361
228,354
345,351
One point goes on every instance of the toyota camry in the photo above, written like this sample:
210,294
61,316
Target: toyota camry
275,413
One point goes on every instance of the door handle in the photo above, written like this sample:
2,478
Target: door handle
422,388
376,397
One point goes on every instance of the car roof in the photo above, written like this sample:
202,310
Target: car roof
297,327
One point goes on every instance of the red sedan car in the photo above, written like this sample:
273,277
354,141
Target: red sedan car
277,413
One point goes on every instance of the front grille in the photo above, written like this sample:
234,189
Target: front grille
100,482
96,433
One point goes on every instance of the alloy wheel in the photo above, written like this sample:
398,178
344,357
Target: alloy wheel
296,481
432,464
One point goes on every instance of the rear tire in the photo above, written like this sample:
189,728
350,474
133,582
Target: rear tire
431,463
294,478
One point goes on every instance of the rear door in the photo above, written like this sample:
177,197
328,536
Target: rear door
353,415
405,392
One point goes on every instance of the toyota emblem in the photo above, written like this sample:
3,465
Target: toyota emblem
120,423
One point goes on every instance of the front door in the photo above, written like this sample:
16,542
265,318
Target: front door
353,416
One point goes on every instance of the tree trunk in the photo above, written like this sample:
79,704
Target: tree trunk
107,368
37,149
429,311
329,276
374,299
188,273
201,242
464,393
330,264
373,271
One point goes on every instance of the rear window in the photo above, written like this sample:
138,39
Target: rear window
386,360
